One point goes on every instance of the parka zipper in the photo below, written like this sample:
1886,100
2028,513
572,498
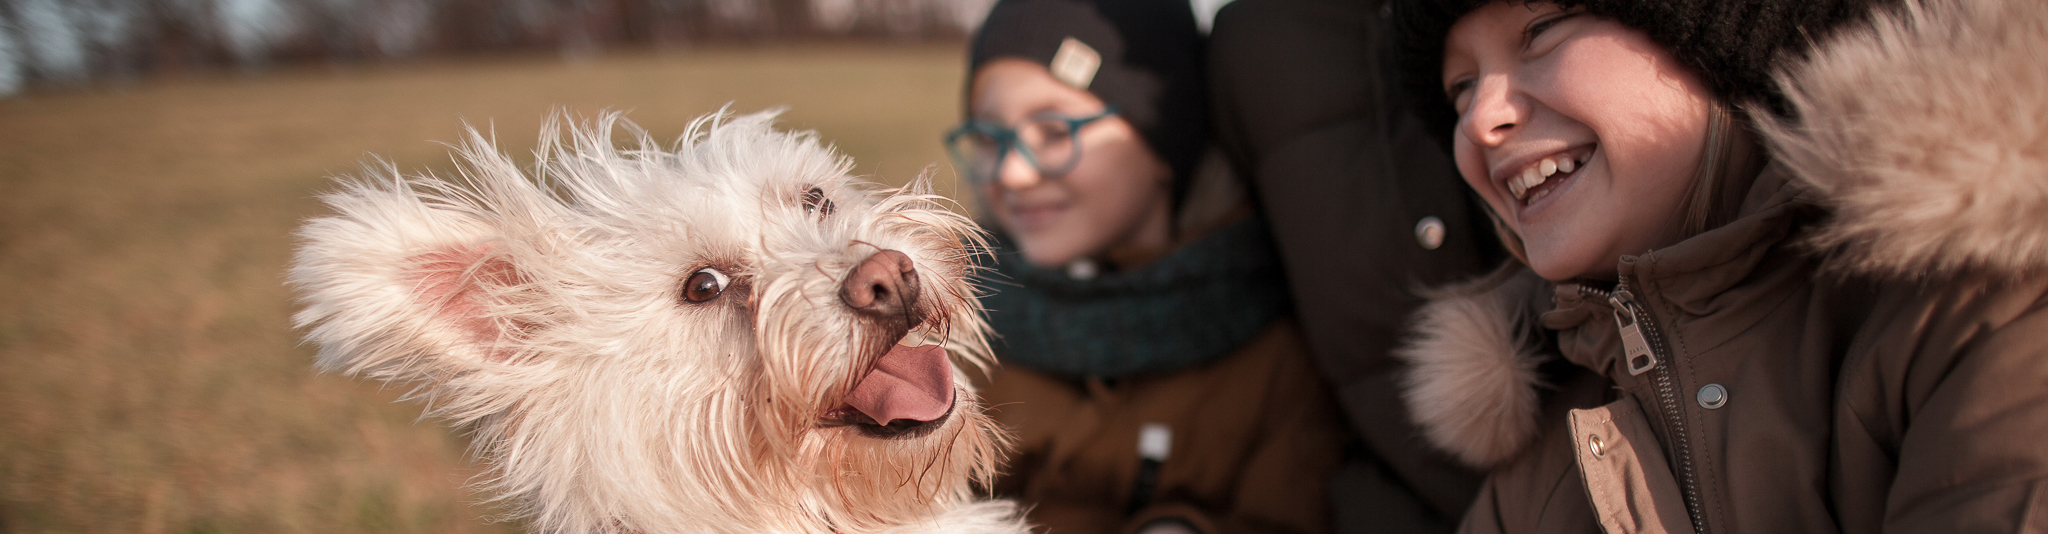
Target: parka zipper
1643,344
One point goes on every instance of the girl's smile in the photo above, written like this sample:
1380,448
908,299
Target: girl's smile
1582,134
1537,177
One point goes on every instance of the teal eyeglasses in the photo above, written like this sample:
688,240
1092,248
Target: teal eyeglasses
1046,142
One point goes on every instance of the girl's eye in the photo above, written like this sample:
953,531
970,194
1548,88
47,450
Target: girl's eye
1533,40
1459,93
704,285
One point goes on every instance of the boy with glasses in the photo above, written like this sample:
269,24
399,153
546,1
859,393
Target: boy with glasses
1149,370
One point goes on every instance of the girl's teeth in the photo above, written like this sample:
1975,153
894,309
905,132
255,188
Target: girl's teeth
1533,197
1534,176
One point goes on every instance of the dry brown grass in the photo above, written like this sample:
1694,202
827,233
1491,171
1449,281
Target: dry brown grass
149,379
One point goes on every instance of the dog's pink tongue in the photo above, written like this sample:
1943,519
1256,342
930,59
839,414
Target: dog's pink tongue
914,383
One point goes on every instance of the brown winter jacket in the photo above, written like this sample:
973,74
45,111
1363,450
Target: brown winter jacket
1865,349
1254,436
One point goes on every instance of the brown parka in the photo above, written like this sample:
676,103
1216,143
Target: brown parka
1865,349
1254,435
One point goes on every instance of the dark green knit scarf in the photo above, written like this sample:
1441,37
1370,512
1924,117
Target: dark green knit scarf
1195,305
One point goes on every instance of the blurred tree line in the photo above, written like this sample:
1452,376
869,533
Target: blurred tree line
70,42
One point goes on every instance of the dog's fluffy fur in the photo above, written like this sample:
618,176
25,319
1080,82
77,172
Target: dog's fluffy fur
546,314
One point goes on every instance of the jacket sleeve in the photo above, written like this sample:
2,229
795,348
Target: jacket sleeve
1306,105
1973,456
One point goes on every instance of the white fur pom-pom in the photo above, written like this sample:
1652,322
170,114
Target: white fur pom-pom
1472,386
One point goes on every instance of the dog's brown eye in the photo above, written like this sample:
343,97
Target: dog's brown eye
816,203
705,284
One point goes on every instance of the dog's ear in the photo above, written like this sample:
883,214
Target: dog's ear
417,280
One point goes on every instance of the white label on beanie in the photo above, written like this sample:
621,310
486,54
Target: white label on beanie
1075,63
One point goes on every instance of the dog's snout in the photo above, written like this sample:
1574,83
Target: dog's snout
884,285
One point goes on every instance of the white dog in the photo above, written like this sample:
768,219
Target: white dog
730,336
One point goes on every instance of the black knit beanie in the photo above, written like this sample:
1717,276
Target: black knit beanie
1151,64
1733,45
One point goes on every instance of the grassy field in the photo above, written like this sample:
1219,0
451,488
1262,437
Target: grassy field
149,377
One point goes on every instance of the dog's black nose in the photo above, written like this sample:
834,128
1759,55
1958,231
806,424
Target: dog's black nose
884,286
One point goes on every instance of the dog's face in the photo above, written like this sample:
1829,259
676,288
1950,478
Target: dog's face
729,336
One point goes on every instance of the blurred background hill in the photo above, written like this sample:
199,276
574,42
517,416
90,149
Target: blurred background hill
70,42
155,156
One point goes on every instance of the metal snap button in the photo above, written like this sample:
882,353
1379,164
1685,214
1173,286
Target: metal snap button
1595,446
1429,232
1713,396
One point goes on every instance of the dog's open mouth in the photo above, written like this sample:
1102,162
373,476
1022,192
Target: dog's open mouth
907,394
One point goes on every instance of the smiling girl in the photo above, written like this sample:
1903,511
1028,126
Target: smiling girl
1810,303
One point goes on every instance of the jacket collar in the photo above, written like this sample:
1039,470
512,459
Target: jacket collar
1692,280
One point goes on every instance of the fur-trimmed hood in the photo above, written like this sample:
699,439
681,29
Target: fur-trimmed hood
1923,135
1926,135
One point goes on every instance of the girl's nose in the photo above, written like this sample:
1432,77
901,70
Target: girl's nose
1494,112
1015,172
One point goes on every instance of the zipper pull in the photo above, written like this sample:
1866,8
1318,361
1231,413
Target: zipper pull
1636,348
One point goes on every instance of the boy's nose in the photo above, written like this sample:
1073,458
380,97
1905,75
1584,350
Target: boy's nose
1015,172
